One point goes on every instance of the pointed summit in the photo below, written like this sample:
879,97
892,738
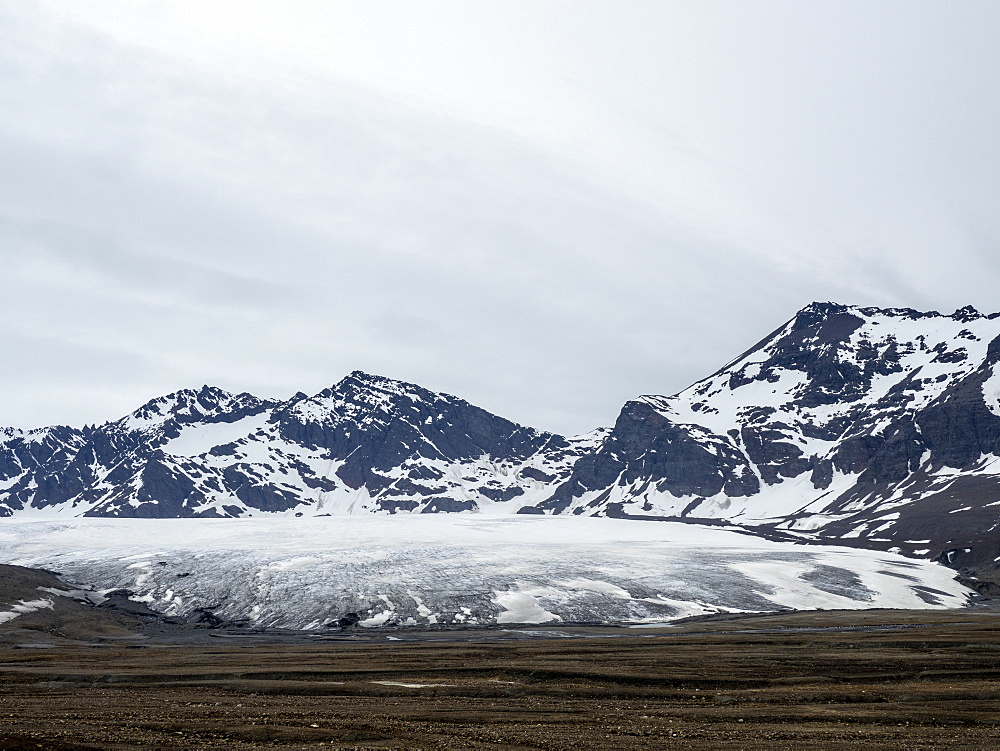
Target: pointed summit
357,396
184,402
966,314
817,308
189,406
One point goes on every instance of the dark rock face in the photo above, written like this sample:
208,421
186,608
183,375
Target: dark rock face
958,428
41,464
373,426
646,447
775,457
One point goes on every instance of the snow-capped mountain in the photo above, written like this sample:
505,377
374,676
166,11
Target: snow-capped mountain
367,444
880,426
853,422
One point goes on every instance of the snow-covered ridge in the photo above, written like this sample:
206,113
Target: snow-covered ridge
368,444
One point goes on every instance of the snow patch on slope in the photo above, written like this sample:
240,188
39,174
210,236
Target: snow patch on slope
199,439
23,607
991,391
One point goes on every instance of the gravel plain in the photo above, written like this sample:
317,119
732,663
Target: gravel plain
811,680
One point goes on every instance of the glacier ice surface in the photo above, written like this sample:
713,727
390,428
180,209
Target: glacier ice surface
465,569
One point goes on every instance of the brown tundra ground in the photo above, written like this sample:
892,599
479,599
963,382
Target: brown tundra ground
811,680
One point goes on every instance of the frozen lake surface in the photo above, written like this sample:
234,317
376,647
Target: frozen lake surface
464,569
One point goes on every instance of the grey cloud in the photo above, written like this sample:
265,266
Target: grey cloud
162,226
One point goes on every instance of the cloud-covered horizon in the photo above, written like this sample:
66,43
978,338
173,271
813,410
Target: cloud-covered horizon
544,209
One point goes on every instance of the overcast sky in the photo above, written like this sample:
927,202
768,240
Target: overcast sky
544,207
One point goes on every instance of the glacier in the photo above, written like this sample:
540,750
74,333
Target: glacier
464,569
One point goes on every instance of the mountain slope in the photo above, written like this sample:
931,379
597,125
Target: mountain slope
847,421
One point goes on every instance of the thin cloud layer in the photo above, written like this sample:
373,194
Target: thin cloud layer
172,214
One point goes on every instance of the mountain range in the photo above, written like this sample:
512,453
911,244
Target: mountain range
867,426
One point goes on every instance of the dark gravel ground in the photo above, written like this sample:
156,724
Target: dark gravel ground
815,680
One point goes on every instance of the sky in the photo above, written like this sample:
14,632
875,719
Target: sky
544,207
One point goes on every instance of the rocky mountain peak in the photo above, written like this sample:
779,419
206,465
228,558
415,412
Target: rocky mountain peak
165,415
380,392
968,313
818,309
361,399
